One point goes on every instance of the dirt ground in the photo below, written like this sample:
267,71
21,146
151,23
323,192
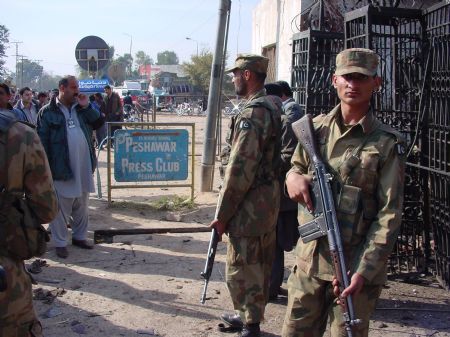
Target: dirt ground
144,285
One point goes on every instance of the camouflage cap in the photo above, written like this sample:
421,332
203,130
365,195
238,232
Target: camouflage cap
357,60
252,62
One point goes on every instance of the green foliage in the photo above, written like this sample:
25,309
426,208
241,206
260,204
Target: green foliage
29,73
173,203
143,59
4,40
199,73
48,82
167,57
167,203
199,70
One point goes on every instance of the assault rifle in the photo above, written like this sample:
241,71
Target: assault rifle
325,219
3,284
206,273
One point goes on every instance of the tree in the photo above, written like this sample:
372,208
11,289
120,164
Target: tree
199,70
143,59
48,82
199,73
167,57
28,73
4,40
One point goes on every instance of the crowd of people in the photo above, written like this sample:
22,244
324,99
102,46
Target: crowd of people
47,160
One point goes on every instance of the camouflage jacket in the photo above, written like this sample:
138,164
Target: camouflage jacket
24,169
250,196
369,211
288,144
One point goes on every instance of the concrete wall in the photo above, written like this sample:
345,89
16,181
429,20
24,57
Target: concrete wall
272,25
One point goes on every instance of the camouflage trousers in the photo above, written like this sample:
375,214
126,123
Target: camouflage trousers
17,316
311,302
249,265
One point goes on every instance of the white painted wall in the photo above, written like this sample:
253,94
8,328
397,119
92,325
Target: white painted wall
272,25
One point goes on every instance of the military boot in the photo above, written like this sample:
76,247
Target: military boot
233,320
250,330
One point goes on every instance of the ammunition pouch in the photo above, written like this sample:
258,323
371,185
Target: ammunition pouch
313,229
21,235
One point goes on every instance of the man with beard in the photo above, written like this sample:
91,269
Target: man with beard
250,196
65,127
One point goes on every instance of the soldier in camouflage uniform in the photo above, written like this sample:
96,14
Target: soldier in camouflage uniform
367,160
250,196
23,169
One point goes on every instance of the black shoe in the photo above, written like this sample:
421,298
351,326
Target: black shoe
62,252
82,244
250,330
232,320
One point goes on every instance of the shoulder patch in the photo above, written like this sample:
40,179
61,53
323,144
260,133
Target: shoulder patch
401,148
244,124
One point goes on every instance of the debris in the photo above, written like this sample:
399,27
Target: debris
96,314
48,296
179,287
382,325
46,280
186,240
36,266
150,332
170,216
52,312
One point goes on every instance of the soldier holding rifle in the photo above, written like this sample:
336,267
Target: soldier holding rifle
364,161
249,199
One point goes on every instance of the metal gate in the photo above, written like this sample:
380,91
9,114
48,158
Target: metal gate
437,156
414,47
313,64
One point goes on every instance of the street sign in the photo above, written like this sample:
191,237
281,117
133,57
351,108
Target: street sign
92,53
151,155
92,85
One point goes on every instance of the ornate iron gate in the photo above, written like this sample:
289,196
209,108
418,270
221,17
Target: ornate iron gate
313,63
437,157
414,47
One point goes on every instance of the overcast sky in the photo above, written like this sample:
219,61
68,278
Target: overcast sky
50,30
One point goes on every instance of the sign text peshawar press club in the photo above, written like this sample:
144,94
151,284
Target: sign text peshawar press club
151,155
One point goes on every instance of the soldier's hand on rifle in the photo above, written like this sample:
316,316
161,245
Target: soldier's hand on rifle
220,227
356,285
298,189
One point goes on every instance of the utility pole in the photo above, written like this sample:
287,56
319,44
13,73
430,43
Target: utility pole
17,56
22,57
188,38
214,98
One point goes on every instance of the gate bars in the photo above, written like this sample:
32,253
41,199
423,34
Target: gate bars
437,20
414,47
313,64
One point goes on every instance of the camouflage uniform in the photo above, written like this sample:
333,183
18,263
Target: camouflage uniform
25,166
369,208
249,202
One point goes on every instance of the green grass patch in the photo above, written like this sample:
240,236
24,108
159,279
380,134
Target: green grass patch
167,203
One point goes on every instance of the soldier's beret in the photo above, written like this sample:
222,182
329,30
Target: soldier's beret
357,60
252,62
